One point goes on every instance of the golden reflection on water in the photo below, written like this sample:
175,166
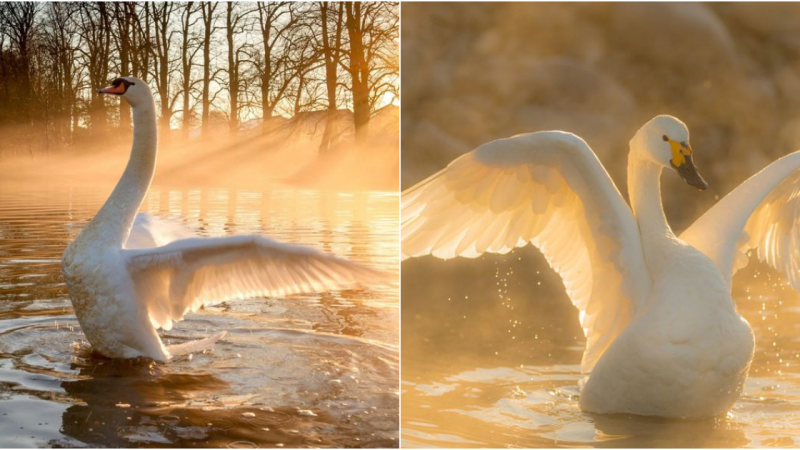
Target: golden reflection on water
491,357
308,370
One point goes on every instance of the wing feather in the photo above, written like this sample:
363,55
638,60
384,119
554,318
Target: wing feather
186,274
763,213
548,189
150,231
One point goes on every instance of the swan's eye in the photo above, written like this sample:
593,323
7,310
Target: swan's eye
119,86
665,138
123,82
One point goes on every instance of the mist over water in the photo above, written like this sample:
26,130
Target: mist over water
288,152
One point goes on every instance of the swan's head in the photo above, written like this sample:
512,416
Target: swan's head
665,141
132,89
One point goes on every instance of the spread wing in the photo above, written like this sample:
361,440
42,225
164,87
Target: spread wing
186,274
150,231
548,189
763,213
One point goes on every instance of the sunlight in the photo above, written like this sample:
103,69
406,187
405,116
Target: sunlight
199,224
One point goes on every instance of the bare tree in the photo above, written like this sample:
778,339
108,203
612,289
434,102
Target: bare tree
269,59
60,41
331,43
95,52
17,21
162,69
207,8
371,27
234,25
188,52
304,62
276,21
124,15
358,66
143,43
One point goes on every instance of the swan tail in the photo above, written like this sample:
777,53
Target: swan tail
194,346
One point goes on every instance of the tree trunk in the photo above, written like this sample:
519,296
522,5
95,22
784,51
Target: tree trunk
147,42
207,9
359,70
331,52
162,38
124,31
265,22
186,63
233,71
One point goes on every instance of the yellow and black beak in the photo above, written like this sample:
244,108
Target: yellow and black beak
689,173
682,162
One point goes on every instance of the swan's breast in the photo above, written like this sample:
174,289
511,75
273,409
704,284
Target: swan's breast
101,294
691,303
685,354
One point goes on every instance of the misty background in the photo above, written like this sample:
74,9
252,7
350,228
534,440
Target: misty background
477,72
303,92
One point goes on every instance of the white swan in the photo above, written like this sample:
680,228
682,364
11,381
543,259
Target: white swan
663,336
129,276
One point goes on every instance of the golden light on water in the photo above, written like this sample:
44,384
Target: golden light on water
293,215
260,131
340,345
507,369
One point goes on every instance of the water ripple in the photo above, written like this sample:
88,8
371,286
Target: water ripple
316,370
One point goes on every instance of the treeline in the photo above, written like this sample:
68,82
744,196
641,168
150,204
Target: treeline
210,64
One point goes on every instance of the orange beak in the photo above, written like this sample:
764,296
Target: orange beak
116,90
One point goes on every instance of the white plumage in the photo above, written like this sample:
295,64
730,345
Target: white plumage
130,274
761,214
531,188
186,274
662,333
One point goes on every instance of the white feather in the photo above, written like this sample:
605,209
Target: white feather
761,214
480,199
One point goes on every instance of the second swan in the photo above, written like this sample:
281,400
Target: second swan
663,337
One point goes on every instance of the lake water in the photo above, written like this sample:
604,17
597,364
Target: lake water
308,370
491,354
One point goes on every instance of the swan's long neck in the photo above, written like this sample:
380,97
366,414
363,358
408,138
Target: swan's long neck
644,188
112,224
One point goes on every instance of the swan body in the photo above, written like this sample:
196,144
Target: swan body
663,337
129,275
684,355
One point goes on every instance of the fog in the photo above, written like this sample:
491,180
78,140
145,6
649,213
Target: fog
730,71
289,153
215,70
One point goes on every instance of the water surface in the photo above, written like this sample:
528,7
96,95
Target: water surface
308,370
492,350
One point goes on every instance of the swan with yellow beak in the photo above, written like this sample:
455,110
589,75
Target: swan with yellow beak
663,337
